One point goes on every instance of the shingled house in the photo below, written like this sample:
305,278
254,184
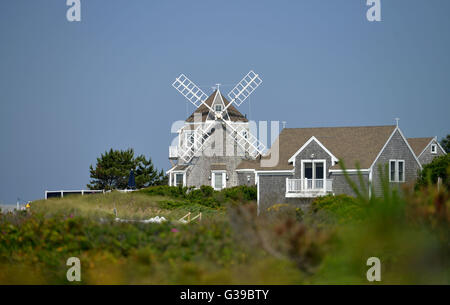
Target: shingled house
426,149
303,163
308,162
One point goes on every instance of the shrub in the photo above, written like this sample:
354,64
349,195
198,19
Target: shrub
439,167
341,208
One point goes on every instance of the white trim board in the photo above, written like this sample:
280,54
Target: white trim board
313,138
364,171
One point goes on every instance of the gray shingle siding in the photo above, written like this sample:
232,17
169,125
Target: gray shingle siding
220,149
426,156
312,148
243,178
341,186
272,190
395,149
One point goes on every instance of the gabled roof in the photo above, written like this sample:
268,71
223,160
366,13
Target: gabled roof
233,113
351,144
419,144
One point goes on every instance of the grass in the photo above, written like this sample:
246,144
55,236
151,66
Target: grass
135,205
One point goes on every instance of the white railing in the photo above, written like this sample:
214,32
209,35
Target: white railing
173,151
308,185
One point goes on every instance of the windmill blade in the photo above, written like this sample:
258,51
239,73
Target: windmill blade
189,90
244,88
247,141
201,136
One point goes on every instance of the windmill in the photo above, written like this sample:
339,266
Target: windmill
202,134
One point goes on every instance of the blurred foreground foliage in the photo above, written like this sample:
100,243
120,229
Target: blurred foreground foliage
327,242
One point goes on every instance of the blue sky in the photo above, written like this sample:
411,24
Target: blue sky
70,91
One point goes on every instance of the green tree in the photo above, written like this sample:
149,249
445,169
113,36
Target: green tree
439,167
445,143
113,168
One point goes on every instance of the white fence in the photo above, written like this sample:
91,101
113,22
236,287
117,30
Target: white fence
62,193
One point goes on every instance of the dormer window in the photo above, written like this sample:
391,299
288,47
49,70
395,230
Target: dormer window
433,148
218,108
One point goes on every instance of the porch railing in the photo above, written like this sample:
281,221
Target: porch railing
309,185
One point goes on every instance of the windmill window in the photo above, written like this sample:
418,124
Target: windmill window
179,179
218,108
433,148
218,180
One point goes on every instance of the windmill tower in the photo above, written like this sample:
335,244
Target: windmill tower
216,137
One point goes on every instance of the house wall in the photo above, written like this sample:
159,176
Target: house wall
341,186
426,157
200,171
305,154
272,190
395,149
243,180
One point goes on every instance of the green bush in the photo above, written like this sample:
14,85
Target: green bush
205,195
439,167
341,208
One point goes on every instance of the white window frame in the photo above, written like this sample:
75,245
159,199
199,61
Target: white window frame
313,161
173,178
433,148
224,179
215,108
396,171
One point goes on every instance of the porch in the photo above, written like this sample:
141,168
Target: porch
307,188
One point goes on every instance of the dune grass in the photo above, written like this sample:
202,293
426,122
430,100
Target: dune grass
330,243
134,206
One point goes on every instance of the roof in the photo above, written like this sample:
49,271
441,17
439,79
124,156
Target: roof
419,144
233,113
351,144
178,168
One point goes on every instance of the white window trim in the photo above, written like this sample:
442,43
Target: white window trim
396,171
313,161
173,176
433,149
224,179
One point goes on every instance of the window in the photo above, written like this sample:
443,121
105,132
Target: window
218,108
245,134
218,180
433,148
179,180
396,171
